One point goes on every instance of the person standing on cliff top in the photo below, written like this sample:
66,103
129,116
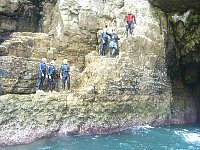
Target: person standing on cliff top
41,72
65,75
51,71
130,20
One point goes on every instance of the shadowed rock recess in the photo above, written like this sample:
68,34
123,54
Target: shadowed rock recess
153,80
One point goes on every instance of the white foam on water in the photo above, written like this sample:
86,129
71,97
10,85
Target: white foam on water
192,137
188,136
145,128
44,148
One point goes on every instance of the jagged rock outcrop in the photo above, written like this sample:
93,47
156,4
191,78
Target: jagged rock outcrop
176,5
17,75
29,117
72,26
19,57
180,24
108,94
19,16
27,45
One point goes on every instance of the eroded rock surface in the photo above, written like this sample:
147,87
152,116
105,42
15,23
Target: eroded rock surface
176,5
19,58
27,45
108,94
18,15
17,75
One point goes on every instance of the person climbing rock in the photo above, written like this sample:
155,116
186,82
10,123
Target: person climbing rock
51,71
65,75
130,22
103,42
41,72
113,43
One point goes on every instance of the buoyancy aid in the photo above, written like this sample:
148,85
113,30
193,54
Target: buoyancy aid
130,17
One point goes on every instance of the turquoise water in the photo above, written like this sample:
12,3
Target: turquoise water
177,137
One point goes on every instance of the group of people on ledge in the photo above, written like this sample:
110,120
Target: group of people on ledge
130,22
49,73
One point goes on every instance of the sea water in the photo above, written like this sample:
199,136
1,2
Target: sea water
176,137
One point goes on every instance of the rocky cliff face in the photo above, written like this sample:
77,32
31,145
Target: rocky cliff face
108,94
181,25
19,15
180,6
19,58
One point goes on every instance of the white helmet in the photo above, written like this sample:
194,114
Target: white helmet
44,59
65,61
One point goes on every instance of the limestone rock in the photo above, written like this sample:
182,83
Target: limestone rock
72,34
176,5
18,16
49,114
17,75
45,115
9,6
1,89
108,94
26,44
